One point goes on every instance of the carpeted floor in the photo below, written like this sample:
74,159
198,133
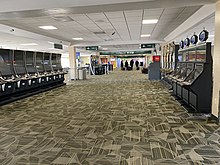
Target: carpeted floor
116,119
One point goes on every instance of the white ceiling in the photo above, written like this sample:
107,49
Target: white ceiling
126,24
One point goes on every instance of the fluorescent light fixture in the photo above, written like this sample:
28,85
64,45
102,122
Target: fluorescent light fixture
211,35
150,21
145,35
78,39
50,43
48,27
29,44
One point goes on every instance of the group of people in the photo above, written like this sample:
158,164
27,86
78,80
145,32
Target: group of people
131,64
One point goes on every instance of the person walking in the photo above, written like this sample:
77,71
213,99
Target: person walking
131,64
122,64
126,64
137,64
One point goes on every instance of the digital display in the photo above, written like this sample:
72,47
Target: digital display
181,44
192,54
186,42
58,46
185,56
194,39
180,57
203,36
201,53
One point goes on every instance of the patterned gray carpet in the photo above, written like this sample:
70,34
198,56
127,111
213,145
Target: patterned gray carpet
116,119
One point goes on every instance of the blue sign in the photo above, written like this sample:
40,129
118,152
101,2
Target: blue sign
77,55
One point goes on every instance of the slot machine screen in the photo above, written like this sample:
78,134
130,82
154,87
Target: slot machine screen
201,53
192,54
180,57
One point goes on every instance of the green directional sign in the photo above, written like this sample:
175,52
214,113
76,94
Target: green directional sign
147,46
126,52
92,48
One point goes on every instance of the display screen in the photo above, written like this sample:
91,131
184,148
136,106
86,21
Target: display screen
18,56
201,53
192,54
180,58
29,57
185,56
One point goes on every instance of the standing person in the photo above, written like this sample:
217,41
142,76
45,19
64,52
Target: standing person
131,64
137,64
126,64
122,64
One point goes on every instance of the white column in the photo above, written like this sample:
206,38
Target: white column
216,64
98,54
73,67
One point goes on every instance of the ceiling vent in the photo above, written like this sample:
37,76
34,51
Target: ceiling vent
99,21
63,18
110,39
99,33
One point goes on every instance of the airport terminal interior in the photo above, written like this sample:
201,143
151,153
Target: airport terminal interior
97,82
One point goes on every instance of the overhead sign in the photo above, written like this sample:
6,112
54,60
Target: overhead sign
58,46
147,46
92,48
126,52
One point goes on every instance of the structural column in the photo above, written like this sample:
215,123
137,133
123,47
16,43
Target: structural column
98,54
216,64
73,67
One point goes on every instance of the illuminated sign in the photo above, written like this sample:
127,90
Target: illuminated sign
203,36
194,39
156,58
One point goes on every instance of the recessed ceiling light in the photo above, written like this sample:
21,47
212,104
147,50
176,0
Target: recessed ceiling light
150,21
78,39
145,35
29,44
48,27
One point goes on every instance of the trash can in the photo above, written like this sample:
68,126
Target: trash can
81,74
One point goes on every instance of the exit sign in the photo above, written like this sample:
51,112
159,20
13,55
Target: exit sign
147,46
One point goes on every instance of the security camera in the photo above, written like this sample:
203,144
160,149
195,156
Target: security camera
12,30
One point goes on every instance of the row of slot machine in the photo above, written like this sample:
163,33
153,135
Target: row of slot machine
191,80
170,57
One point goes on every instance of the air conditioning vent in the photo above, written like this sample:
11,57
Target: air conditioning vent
63,18
99,21
99,33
